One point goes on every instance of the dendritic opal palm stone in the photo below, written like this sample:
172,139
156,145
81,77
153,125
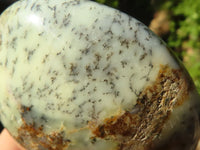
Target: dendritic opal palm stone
77,75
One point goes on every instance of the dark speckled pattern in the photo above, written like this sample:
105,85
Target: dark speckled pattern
66,63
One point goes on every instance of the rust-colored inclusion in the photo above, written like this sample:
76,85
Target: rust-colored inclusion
33,137
140,130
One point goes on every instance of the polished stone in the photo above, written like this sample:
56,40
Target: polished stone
79,75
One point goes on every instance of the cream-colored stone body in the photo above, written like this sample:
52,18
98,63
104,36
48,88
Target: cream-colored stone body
68,65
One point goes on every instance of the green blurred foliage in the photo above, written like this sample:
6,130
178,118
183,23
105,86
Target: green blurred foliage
111,3
184,34
185,22
194,69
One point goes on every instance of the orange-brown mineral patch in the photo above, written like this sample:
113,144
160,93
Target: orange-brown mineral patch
34,138
139,130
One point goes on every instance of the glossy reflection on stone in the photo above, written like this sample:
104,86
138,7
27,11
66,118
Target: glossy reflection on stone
79,75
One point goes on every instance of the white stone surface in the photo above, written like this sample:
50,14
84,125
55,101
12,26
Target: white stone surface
71,62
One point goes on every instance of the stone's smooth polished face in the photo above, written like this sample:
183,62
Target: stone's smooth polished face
75,75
